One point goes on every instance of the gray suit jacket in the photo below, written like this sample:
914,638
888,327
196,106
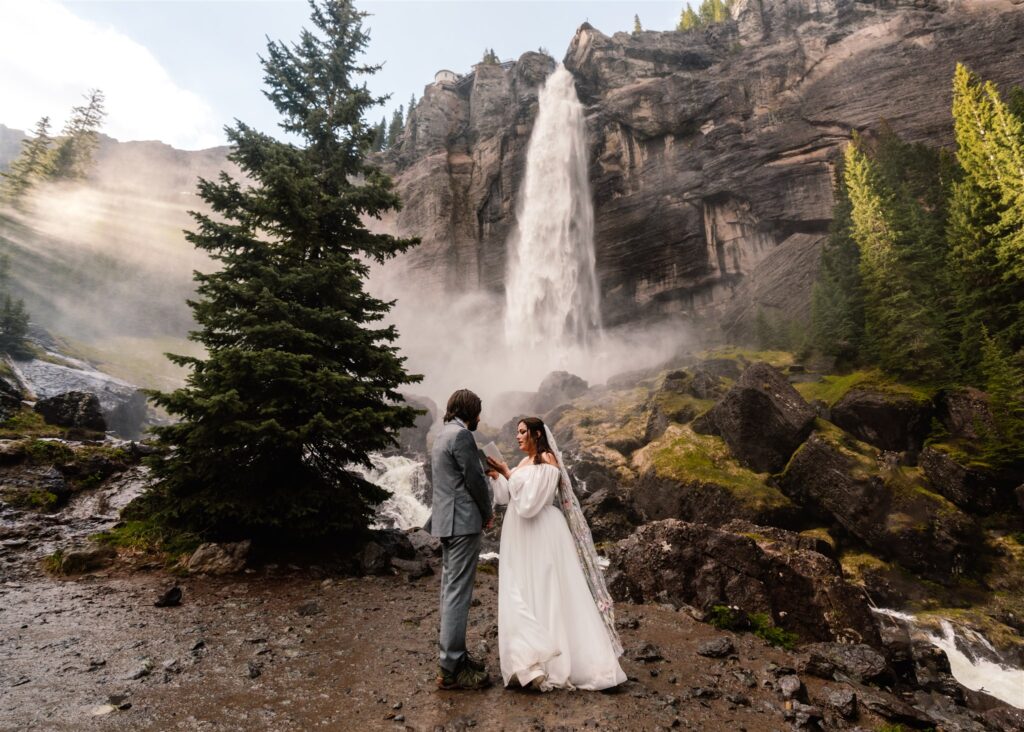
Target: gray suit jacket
462,498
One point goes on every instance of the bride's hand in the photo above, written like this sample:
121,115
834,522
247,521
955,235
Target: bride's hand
498,466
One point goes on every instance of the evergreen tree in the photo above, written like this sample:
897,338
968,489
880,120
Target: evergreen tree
31,165
903,332
713,11
1003,446
300,376
13,316
412,106
688,20
72,156
978,230
397,125
637,28
380,135
837,299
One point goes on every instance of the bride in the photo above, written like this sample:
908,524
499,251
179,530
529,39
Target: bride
556,627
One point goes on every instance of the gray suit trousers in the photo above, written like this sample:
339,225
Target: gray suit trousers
459,556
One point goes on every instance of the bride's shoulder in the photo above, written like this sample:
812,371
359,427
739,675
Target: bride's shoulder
549,459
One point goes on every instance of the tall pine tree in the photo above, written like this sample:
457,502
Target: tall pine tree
32,165
72,156
980,230
300,378
903,330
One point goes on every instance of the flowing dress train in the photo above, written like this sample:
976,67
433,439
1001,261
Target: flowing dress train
549,626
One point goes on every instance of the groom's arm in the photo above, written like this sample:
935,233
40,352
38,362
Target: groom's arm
467,458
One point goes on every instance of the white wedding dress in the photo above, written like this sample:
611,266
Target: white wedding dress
549,627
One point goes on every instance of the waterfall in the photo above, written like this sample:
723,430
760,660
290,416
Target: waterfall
406,481
972,670
551,296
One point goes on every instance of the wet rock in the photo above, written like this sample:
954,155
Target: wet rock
227,558
558,387
10,398
887,420
683,563
103,710
791,687
889,707
803,715
973,489
144,669
645,653
842,700
1005,719
963,411
716,647
170,598
424,543
857,661
887,506
254,669
73,409
611,514
310,608
413,569
762,418
88,559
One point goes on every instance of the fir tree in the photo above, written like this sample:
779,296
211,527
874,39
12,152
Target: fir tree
13,316
412,106
300,378
713,11
978,230
903,333
72,156
380,135
688,20
32,165
1003,446
637,28
396,127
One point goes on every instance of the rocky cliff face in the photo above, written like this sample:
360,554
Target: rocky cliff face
713,151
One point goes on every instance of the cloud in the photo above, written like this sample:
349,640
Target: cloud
49,58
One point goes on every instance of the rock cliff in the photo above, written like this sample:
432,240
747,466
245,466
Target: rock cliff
712,151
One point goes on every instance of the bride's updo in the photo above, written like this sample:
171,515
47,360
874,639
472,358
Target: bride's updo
535,429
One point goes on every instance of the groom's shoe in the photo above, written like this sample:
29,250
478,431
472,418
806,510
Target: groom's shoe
464,677
473,663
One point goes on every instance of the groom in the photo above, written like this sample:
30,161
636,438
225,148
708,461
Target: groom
461,510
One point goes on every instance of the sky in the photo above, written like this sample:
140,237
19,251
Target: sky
180,70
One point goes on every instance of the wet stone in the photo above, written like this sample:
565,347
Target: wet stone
716,647
842,700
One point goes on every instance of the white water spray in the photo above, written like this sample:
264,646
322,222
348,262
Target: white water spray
406,481
551,287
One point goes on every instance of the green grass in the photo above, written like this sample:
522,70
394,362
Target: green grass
833,387
46,452
683,455
53,562
27,423
148,536
38,499
778,359
724,617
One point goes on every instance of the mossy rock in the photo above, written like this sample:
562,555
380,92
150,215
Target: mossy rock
694,477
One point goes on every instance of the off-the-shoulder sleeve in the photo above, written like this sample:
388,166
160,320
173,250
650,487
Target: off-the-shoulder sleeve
536,492
499,488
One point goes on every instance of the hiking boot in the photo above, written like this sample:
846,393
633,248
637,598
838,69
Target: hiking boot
463,678
473,663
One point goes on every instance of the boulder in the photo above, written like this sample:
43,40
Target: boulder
964,412
226,558
888,420
412,441
375,557
10,399
762,418
973,488
73,409
611,514
86,559
558,387
424,543
888,507
856,661
842,700
694,564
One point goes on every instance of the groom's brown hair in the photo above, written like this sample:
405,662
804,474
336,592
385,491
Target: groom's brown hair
463,404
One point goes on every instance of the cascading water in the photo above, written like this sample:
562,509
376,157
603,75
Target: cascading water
551,288
406,481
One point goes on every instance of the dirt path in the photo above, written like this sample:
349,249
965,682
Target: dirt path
288,649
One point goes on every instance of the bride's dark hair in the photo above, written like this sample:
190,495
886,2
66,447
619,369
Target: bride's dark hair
535,429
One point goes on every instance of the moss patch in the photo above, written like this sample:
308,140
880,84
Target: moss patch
778,359
832,388
27,423
142,535
38,499
683,455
